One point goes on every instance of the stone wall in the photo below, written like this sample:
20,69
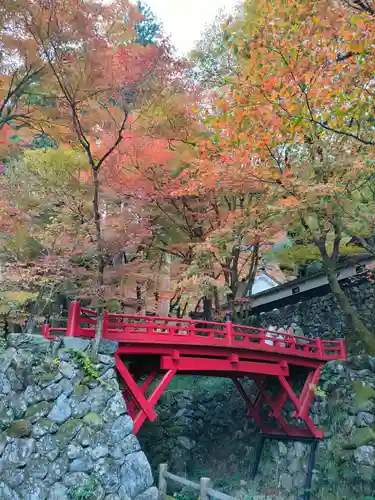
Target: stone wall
346,458
321,316
200,431
64,430
207,433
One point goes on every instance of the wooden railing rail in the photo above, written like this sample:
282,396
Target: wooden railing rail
153,329
204,485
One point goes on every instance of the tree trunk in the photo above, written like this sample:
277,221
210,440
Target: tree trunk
139,298
216,301
364,244
252,271
164,285
353,321
230,271
182,311
207,308
234,270
101,261
30,324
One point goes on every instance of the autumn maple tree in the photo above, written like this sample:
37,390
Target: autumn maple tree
45,225
300,64
96,78
21,69
201,212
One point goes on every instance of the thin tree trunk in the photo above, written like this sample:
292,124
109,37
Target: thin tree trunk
139,298
364,244
217,301
232,278
101,261
164,285
30,324
198,304
353,321
182,311
253,270
38,309
207,308
234,271
174,303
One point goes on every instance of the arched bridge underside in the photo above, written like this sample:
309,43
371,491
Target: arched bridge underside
284,369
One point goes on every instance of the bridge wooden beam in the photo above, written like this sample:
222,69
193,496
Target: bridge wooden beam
213,352
263,397
301,410
308,393
226,366
135,391
154,398
253,408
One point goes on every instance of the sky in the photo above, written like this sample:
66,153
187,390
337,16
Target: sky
184,20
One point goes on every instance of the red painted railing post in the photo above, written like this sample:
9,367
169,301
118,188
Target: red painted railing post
73,319
229,328
343,349
319,345
46,328
150,326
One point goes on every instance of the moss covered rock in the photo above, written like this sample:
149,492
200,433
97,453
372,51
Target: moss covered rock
44,426
48,378
37,411
365,473
93,420
67,431
360,437
80,391
20,428
364,394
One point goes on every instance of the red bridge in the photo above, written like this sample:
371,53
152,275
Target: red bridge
152,350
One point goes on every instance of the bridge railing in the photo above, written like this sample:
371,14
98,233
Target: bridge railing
286,341
146,329
81,323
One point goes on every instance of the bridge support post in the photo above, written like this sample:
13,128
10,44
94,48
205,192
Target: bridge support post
258,455
73,319
252,408
308,393
141,408
154,398
264,397
310,468
302,406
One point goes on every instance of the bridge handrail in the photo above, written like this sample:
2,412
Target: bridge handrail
143,328
161,318
276,335
88,311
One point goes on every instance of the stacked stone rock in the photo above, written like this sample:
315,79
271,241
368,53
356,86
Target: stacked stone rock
346,459
62,435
